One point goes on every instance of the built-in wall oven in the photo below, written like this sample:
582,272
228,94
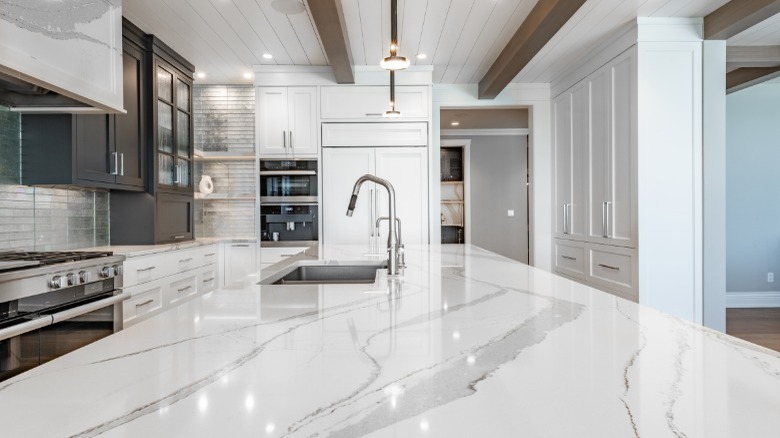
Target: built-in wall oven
289,209
50,309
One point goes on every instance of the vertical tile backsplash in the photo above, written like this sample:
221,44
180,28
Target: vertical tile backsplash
35,218
225,123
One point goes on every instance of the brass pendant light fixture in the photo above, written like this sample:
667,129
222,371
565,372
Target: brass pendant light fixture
393,62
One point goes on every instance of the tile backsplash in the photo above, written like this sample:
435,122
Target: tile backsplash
36,218
224,118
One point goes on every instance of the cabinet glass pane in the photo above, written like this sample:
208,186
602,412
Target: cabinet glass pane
165,169
184,173
183,134
183,96
164,127
164,84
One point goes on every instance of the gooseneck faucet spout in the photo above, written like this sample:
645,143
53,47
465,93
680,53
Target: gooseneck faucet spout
393,246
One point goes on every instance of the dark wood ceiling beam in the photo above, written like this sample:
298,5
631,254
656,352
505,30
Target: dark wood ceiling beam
737,16
742,78
544,21
329,21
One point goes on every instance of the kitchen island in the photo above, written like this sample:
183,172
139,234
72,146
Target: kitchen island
465,344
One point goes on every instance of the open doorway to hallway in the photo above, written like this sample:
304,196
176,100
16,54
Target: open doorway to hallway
486,203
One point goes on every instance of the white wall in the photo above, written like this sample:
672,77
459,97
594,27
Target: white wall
536,97
753,195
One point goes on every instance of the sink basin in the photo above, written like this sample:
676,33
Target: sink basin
328,274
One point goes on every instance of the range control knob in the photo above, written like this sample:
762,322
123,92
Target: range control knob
85,277
58,282
117,269
107,272
73,280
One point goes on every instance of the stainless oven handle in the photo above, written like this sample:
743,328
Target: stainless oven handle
89,307
288,172
20,329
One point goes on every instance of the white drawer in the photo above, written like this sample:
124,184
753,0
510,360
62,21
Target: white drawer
613,267
209,255
180,289
374,134
370,102
145,300
570,258
269,256
208,280
139,270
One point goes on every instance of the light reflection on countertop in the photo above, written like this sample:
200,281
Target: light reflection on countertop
465,344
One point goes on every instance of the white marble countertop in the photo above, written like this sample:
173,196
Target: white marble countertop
131,251
469,344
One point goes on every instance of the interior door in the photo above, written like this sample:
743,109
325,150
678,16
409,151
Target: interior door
341,167
407,170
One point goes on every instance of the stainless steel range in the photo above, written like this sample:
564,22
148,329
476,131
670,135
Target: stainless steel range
52,303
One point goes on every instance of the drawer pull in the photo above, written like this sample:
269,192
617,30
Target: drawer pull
574,259
211,254
144,303
208,280
612,268
240,245
147,269
179,237
185,260
185,288
373,114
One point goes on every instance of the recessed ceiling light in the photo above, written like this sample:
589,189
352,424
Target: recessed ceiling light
268,56
248,75
288,7
421,56
455,123
200,75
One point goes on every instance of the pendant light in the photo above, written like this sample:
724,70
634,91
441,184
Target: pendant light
392,112
394,62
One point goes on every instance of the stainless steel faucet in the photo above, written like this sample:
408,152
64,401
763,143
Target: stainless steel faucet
401,258
393,245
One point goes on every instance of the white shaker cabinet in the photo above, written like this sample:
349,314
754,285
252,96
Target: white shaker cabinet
612,149
405,167
240,261
360,102
570,118
286,121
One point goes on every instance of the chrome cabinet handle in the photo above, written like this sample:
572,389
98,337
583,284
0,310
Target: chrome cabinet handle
122,164
565,218
185,288
175,174
211,254
185,260
115,168
146,269
574,259
181,236
144,303
240,245
284,139
292,146
612,268
608,206
604,219
373,114
208,280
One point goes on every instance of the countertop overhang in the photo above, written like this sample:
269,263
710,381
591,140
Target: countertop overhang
466,343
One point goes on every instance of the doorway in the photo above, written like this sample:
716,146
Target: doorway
495,197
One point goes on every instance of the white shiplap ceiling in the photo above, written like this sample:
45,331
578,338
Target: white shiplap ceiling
766,33
460,38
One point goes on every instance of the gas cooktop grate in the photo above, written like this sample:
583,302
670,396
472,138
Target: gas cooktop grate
51,257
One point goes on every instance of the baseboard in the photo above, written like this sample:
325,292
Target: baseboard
736,300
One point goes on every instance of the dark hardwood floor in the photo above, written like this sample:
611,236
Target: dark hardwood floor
759,326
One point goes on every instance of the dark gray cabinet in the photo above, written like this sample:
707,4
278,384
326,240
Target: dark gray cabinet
164,213
102,151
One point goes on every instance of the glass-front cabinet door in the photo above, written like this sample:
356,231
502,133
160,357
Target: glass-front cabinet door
174,130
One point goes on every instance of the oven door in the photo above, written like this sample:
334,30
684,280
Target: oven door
50,334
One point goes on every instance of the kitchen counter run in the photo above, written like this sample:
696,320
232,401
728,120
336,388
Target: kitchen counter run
466,344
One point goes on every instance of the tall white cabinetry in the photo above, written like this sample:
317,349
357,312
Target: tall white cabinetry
405,167
286,121
595,178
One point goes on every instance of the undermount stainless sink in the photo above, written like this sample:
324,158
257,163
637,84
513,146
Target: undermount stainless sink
328,274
